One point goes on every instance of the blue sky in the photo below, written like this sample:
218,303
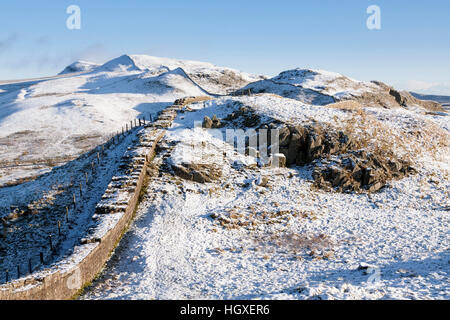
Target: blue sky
411,51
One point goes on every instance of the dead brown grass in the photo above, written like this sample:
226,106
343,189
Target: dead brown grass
317,246
381,139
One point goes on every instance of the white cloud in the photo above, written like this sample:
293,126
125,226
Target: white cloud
7,43
96,52
438,88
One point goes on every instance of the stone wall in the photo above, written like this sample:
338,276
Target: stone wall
57,284
119,199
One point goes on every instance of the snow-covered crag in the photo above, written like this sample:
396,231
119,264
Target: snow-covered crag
320,87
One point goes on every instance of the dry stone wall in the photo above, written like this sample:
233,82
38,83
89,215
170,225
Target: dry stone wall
117,206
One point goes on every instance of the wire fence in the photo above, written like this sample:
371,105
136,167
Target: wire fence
66,217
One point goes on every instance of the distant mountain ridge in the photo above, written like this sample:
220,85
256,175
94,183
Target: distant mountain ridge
321,87
444,100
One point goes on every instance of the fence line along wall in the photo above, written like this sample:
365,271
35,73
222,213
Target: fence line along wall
116,208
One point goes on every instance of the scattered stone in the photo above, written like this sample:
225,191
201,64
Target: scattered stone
207,123
91,240
215,122
200,173
406,273
237,164
278,160
262,181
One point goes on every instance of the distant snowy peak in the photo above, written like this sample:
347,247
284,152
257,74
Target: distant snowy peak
79,66
312,86
320,87
306,76
211,78
122,63
325,82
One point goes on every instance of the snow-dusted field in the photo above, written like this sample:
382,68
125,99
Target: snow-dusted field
174,251
303,243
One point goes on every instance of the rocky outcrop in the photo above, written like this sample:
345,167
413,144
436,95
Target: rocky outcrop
387,97
336,162
209,123
303,144
318,87
358,171
200,173
242,117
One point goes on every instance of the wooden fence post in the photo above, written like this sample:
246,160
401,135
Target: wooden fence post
50,241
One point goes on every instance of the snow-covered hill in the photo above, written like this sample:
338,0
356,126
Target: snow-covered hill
79,66
51,121
321,87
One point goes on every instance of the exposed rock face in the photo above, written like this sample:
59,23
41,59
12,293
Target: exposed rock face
243,117
200,173
357,171
209,123
278,160
348,170
338,162
387,97
302,145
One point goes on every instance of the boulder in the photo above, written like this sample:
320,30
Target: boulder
278,160
200,173
215,122
284,136
262,181
207,123
294,148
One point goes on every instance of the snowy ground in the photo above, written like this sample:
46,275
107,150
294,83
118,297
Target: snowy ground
287,240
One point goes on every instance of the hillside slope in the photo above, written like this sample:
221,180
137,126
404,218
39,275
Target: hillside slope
51,121
322,87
